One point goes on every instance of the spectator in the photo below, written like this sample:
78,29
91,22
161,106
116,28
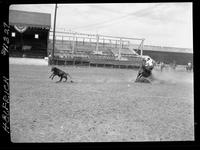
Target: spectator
162,65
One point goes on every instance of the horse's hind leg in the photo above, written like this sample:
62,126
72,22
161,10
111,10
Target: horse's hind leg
65,79
60,79
143,80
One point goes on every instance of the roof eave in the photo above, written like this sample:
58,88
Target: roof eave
30,25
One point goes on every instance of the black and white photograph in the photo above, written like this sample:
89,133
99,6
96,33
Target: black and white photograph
101,72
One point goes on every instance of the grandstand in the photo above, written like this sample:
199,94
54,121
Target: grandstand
98,50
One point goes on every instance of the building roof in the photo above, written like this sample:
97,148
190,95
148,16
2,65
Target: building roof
31,19
164,49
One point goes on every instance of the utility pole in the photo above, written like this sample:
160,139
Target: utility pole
54,28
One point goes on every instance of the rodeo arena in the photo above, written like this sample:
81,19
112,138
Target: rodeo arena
67,86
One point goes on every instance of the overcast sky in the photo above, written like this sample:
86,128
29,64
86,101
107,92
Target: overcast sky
161,24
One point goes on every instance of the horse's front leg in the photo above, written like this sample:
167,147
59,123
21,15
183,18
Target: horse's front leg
51,75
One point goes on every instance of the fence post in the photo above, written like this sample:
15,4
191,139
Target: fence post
73,44
62,42
120,47
142,44
97,44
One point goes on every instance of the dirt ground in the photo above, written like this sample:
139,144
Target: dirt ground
102,105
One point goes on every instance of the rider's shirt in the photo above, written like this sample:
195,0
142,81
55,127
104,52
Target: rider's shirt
149,64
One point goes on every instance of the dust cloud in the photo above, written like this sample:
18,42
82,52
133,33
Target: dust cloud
172,76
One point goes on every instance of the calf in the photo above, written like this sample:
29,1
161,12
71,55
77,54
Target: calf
57,72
